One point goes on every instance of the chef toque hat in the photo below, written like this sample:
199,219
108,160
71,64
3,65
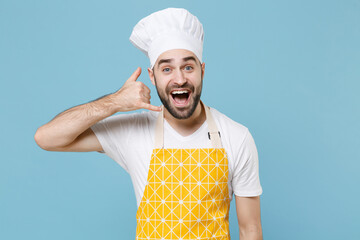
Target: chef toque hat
171,28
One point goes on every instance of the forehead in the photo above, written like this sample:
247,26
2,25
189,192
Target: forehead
175,55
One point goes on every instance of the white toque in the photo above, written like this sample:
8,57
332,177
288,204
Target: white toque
171,28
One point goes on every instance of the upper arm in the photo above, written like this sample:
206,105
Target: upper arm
245,179
248,212
85,142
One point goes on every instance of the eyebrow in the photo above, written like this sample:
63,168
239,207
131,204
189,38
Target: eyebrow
189,59
185,59
161,61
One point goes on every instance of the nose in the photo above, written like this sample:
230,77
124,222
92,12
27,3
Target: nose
179,78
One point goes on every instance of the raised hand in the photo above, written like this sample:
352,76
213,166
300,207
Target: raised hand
134,95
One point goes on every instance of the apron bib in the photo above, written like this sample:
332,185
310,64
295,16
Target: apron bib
186,195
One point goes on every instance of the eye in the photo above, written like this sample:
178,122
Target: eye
188,68
166,69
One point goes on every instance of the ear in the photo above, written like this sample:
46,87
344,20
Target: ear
151,76
202,70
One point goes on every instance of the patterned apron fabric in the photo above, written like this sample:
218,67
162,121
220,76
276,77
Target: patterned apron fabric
186,195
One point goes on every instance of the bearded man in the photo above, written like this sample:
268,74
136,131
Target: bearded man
186,160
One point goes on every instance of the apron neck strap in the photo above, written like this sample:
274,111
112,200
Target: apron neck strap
214,134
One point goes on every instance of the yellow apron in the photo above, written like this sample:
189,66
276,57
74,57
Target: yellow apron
186,195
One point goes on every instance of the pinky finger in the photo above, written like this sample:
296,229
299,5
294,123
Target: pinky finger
151,107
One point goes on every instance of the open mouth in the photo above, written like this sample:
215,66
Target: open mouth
180,97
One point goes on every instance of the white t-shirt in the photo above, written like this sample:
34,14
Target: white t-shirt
129,140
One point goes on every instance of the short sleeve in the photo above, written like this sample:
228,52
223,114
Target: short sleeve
111,132
246,181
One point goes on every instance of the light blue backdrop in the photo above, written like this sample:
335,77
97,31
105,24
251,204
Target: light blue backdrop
288,70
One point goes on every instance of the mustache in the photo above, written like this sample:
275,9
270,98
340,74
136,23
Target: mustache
187,85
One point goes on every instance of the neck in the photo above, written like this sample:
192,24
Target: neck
187,126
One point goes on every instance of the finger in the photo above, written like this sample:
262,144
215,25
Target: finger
145,97
145,92
151,107
135,75
146,89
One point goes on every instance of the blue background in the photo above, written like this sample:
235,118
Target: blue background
288,70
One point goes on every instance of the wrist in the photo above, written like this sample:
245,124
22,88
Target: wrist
106,105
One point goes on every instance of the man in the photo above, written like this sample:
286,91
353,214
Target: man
185,159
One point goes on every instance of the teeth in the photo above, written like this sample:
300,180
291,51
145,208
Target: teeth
180,92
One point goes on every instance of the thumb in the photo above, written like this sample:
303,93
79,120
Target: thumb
135,75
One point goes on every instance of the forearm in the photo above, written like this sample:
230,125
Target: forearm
68,125
251,233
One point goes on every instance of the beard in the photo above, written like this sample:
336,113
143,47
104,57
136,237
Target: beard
177,113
